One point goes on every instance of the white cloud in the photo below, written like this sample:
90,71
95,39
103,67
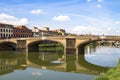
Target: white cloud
23,20
117,22
89,0
99,6
94,30
38,11
5,18
98,26
61,18
86,29
100,1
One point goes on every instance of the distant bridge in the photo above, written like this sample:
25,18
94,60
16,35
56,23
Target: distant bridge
70,43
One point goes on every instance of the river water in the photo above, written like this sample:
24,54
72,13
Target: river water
55,66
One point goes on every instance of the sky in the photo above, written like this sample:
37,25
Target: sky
75,16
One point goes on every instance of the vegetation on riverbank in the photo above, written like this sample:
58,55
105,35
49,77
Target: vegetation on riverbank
112,74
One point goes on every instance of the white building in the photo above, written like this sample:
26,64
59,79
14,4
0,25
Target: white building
6,30
45,29
36,32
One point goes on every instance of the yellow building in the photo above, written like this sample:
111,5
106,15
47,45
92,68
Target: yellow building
45,31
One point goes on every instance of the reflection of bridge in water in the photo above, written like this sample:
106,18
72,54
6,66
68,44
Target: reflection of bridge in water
71,44
10,62
72,63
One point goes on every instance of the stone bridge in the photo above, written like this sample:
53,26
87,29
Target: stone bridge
70,43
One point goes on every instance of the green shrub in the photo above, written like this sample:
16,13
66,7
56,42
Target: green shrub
102,78
111,71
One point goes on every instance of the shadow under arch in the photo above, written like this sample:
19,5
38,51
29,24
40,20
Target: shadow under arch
34,46
7,46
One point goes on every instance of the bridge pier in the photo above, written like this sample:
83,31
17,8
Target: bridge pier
70,50
70,46
21,46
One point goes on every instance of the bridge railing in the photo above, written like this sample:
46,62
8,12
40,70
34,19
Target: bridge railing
63,37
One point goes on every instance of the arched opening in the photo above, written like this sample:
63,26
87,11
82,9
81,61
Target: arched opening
45,45
7,46
82,45
97,52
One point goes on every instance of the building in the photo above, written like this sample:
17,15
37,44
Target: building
47,32
45,29
21,32
61,31
36,32
6,30
50,33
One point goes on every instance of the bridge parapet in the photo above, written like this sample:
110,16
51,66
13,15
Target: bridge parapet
8,40
112,38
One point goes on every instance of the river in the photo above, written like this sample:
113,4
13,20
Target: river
55,66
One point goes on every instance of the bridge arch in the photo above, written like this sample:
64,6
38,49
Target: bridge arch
8,46
33,46
87,42
83,43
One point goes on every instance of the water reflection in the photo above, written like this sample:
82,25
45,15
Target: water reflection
72,63
102,55
9,62
35,66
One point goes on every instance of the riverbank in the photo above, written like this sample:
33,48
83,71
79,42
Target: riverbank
112,74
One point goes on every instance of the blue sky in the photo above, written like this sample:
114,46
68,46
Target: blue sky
75,16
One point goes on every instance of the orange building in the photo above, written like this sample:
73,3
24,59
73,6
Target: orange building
21,31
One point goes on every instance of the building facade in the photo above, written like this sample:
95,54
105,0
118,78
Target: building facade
50,33
9,31
61,31
6,30
36,32
22,32
45,29
47,32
